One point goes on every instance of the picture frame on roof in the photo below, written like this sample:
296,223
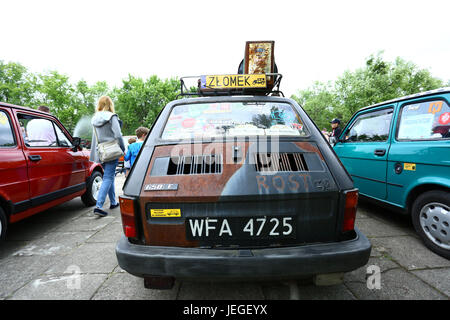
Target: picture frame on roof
259,58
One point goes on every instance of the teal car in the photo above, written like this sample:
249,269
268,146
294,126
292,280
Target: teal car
398,153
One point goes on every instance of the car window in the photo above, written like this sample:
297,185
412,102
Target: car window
63,141
370,127
233,119
428,120
39,132
6,132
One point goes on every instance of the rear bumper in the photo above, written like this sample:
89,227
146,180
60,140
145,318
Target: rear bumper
269,263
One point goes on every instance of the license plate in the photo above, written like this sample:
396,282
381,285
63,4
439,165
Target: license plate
233,81
240,228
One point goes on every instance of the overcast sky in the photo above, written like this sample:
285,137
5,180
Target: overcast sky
314,40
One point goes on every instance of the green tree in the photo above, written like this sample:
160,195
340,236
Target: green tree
87,96
318,101
377,81
55,91
86,104
139,101
69,102
16,84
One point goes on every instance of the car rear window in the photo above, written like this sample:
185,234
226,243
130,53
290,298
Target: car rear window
206,120
428,120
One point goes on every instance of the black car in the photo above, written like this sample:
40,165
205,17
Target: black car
238,187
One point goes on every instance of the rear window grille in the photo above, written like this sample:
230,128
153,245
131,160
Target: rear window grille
268,162
196,164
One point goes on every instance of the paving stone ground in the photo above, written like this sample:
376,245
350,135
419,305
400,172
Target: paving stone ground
68,253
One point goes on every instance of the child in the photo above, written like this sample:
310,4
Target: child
126,164
133,149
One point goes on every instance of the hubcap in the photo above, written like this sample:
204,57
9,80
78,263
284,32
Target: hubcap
96,184
435,222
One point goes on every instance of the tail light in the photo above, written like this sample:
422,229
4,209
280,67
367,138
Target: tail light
351,202
128,219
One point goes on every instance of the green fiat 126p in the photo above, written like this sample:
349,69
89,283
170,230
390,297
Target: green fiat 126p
398,153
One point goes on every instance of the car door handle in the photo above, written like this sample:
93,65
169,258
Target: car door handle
380,152
34,157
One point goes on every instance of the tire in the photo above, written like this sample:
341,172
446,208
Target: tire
431,219
89,198
3,224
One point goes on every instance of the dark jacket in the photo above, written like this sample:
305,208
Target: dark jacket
336,132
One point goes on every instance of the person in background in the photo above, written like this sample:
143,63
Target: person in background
107,127
325,134
40,132
133,149
127,165
336,131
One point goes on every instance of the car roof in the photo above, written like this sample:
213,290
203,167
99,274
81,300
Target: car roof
9,105
416,95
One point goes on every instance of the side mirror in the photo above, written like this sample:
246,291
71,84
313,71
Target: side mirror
76,142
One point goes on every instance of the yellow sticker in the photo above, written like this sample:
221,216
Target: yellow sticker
165,213
409,166
435,107
234,81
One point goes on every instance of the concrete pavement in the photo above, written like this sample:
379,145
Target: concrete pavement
68,253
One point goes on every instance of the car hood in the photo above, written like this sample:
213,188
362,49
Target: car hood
86,153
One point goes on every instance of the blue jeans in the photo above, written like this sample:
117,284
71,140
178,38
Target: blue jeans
107,187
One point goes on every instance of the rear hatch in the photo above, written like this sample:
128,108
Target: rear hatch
239,194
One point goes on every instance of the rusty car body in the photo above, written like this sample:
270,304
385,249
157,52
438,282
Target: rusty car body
250,205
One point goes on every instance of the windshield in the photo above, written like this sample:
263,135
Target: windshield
205,120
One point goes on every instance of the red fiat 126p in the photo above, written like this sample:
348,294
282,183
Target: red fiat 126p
41,165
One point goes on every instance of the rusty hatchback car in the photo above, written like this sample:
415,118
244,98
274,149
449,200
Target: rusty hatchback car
238,187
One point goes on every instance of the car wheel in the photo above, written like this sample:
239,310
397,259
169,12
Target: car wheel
431,219
3,224
89,198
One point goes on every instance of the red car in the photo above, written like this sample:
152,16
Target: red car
41,165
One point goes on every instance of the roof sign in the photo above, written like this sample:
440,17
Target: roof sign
233,81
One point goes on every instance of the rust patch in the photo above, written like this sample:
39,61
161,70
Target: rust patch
309,147
168,235
196,187
191,188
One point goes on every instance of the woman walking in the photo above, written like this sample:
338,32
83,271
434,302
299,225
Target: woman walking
106,128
